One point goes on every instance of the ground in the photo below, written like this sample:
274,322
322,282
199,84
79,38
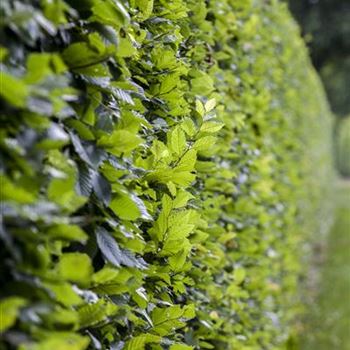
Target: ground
329,318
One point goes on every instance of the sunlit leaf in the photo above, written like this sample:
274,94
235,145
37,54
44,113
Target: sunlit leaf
9,309
75,267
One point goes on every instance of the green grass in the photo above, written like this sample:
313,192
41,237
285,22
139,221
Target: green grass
328,325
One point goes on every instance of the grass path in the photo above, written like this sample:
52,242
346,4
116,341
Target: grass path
329,327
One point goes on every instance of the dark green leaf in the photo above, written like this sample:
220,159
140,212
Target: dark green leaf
115,255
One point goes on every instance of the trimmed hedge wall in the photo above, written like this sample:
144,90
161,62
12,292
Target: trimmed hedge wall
342,140
157,164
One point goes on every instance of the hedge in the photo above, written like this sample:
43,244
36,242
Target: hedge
161,169
342,141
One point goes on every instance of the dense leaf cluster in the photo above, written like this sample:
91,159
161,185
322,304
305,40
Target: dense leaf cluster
156,163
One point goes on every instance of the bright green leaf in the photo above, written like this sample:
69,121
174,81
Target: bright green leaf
204,143
211,127
176,141
13,90
75,267
129,207
210,105
9,309
120,141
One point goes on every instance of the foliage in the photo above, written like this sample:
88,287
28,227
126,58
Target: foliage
343,147
157,160
335,74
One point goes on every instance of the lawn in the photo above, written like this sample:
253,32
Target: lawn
329,319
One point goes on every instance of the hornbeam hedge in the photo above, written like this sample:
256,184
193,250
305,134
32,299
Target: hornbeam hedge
342,146
161,168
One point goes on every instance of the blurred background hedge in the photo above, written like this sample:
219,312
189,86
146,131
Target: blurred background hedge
343,147
162,166
325,26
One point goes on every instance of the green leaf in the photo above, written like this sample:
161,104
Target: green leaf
13,90
110,281
210,105
166,320
161,225
61,319
182,178
62,192
160,151
42,65
187,161
176,141
12,192
92,314
163,58
67,232
64,293
9,309
95,99
129,207
211,127
164,314
84,183
110,12
87,53
182,173
239,275
179,224
58,341
145,7
188,127
172,188
200,108
182,198
179,346
106,274
102,187
87,151
204,143
177,261
3,53
189,311
202,84
126,48
139,342
122,95
169,83
176,175
38,67
75,267
113,253
140,297
121,141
